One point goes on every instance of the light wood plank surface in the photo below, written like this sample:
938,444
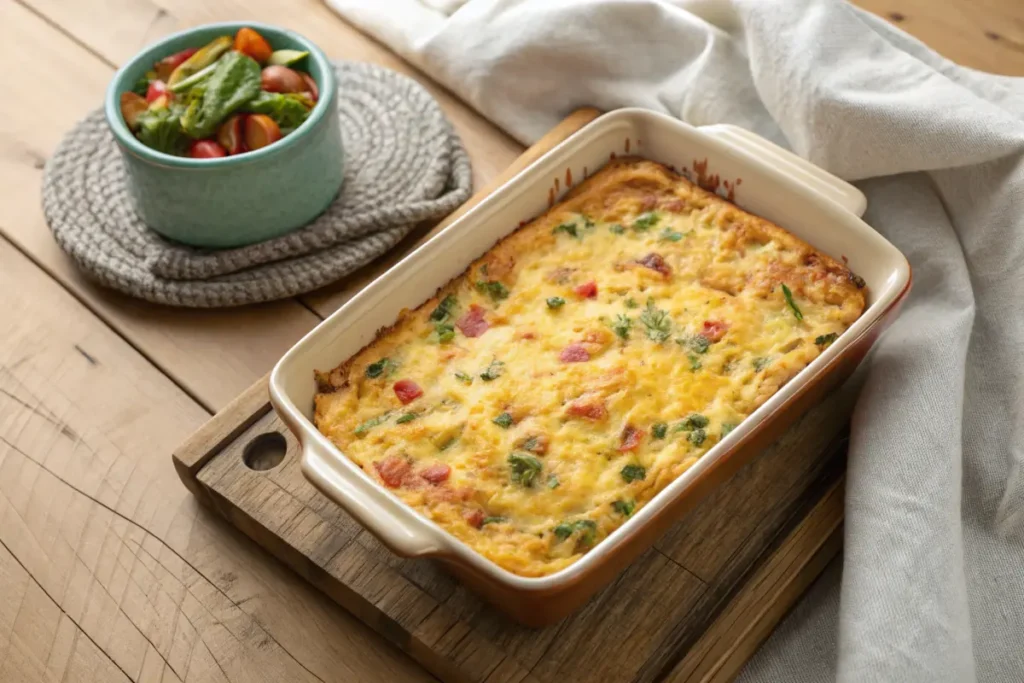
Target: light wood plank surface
108,568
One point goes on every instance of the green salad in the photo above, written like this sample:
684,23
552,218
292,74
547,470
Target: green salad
231,96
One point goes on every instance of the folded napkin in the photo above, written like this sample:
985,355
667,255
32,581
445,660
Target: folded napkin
932,580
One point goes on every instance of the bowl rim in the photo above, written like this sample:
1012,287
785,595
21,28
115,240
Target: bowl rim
131,145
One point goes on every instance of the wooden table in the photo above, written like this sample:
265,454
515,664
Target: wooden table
109,570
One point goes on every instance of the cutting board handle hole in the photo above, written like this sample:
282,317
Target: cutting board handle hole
265,452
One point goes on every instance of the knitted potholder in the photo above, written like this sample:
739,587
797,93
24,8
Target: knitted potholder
403,164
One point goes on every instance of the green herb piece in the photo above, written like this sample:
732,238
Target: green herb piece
384,365
288,110
493,520
504,420
692,422
624,507
631,473
555,302
826,339
659,430
586,528
444,309
552,481
792,304
524,468
588,222
445,332
622,325
371,423
670,235
697,343
529,444
408,417
447,444
695,363
760,363
657,322
160,128
493,289
727,427
646,221
697,437
568,229
141,86
234,82
463,377
631,303
493,371
617,229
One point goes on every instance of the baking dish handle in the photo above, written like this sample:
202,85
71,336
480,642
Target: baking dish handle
384,517
824,183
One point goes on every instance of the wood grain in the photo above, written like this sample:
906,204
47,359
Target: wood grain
93,513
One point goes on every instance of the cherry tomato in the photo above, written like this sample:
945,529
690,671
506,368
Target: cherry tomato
279,78
132,104
311,88
168,64
251,43
260,131
206,149
157,89
231,134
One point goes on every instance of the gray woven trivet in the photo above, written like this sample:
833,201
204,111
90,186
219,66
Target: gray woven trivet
403,164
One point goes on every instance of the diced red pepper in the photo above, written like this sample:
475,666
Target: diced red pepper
474,517
714,330
472,323
574,353
655,262
157,89
436,473
588,290
406,390
630,438
592,410
392,470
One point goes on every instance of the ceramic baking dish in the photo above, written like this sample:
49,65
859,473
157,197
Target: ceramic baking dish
759,176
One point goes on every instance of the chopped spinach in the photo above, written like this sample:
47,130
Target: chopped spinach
496,519
695,363
760,363
697,437
657,322
234,82
617,229
631,303
659,430
692,422
670,235
622,325
444,309
493,371
445,445
646,221
159,128
624,507
524,468
445,332
463,377
826,339
408,417
552,481
288,110
568,229
504,420
384,365
631,473
555,302
371,423
493,289
728,427
697,343
792,304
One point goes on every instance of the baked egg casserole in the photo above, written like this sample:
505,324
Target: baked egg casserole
548,393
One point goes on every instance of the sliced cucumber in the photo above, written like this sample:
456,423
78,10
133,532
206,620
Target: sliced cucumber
286,57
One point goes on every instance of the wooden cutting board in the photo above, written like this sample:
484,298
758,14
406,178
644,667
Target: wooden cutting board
692,608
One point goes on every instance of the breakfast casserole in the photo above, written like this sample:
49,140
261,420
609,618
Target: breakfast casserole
548,393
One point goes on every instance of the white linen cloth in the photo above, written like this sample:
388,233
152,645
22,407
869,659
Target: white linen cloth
932,580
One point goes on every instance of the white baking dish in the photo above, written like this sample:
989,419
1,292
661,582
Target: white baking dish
766,180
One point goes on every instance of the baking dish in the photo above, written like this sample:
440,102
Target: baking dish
759,176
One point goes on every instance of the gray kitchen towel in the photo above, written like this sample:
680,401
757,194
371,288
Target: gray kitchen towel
931,586
403,164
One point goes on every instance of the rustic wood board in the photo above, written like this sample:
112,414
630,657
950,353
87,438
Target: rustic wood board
692,608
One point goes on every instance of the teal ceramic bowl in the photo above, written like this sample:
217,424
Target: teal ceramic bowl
242,199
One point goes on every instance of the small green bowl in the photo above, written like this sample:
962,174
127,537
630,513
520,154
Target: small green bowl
236,200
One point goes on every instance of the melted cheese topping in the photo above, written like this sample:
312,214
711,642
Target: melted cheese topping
530,416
